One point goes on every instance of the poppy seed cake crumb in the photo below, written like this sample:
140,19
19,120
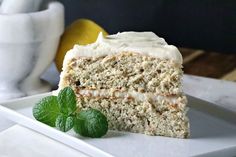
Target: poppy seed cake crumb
151,118
125,72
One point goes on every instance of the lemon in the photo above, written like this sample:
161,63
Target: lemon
82,32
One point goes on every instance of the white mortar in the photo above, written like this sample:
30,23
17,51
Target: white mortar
28,42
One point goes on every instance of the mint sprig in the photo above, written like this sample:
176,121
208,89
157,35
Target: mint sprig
61,112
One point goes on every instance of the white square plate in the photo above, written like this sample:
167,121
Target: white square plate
19,141
213,133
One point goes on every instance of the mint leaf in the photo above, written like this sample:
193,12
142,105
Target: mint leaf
61,112
46,110
91,123
67,101
64,123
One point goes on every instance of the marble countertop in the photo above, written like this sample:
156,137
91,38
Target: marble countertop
219,92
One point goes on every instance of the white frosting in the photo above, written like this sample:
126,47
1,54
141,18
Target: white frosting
136,95
146,43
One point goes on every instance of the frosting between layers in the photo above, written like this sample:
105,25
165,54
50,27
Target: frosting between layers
138,96
174,99
146,43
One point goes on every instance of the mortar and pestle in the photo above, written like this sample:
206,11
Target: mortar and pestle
29,37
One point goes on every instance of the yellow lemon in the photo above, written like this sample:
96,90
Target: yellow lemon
82,32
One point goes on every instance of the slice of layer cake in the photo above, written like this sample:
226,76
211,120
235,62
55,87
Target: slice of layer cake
134,78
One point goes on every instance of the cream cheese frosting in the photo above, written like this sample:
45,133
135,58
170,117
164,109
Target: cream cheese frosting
146,43
138,96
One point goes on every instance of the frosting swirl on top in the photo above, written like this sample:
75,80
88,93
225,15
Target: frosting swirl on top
146,43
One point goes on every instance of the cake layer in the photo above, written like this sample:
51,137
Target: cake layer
148,117
125,71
